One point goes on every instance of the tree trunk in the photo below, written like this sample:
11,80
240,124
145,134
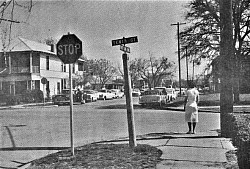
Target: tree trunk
236,90
236,78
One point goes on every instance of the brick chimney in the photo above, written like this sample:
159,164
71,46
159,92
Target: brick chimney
52,47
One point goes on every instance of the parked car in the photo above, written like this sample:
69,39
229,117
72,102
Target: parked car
171,95
156,97
64,97
183,91
136,93
105,94
90,95
118,93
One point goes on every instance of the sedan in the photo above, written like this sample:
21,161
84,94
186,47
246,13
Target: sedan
153,98
64,98
118,93
90,95
105,94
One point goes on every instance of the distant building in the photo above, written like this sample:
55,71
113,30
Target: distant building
244,75
26,62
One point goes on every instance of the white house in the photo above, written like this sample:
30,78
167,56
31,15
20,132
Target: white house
26,62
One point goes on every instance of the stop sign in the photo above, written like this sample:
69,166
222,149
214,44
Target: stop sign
69,48
44,80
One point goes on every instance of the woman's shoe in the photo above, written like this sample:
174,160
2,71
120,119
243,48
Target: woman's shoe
193,132
189,132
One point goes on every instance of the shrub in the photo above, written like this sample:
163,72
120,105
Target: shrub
37,95
12,100
240,135
28,96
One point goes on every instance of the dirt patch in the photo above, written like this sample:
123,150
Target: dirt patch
102,156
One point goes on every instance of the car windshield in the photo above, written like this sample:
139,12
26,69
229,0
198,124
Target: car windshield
65,91
89,92
169,90
151,92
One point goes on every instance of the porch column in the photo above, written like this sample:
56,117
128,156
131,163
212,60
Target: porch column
9,63
12,88
31,53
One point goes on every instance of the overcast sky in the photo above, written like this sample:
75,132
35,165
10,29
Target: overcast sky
97,23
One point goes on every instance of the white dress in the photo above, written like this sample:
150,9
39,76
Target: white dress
191,110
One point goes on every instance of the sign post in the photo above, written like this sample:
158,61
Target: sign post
128,93
69,50
44,81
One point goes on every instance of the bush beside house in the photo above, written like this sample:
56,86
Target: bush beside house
28,96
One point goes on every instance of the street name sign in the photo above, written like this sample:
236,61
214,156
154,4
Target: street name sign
124,41
69,48
125,49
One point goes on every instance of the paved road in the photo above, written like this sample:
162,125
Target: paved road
27,134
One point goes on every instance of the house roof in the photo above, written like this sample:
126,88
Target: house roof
22,44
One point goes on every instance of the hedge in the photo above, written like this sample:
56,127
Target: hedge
240,134
28,96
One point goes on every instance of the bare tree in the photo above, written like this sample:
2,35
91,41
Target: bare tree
106,70
98,71
152,70
12,12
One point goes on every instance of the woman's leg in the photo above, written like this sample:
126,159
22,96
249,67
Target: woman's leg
194,125
189,127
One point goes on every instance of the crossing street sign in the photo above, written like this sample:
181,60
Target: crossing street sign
124,41
125,49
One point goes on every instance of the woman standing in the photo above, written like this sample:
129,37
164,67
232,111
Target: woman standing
191,107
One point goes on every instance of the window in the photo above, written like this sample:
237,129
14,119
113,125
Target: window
73,69
47,62
62,66
80,66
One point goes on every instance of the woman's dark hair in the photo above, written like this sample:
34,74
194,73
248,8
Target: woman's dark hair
191,84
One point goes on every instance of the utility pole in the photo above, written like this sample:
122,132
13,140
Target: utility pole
226,64
187,63
179,58
193,71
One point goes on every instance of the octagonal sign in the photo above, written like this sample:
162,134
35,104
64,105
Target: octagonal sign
69,48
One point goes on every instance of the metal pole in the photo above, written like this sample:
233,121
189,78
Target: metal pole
129,103
71,112
43,94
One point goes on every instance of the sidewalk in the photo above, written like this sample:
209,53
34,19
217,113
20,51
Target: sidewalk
189,151
30,105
